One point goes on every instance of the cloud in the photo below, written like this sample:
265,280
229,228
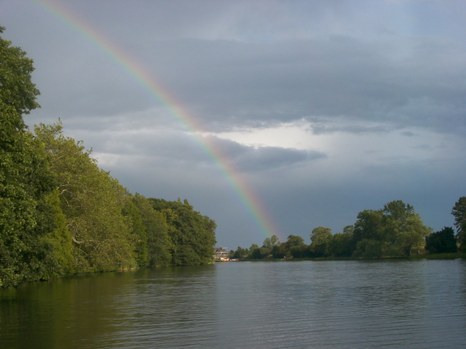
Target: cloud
314,61
262,159
399,82
153,138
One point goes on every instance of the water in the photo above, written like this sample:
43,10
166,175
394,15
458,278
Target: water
389,304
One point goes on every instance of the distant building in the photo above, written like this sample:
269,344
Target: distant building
221,255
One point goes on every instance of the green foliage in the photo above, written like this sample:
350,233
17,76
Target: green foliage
369,225
295,247
56,239
369,248
17,89
321,238
270,242
442,241
156,243
255,252
279,251
240,253
459,212
61,214
404,228
138,231
92,202
270,246
25,182
192,235
395,231
25,212
341,244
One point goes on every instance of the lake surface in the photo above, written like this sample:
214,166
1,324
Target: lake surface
330,304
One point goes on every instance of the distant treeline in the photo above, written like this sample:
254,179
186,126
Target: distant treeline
60,214
396,230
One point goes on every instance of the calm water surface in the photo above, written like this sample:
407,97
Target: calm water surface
390,304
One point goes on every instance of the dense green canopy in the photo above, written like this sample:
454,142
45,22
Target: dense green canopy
61,214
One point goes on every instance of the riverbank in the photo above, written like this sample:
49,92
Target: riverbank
434,256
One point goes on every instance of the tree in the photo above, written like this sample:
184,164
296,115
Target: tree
153,236
25,180
192,234
320,241
93,203
60,213
255,252
369,225
341,244
404,230
295,247
266,251
134,216
17,89
240,253
279,251
272,241
442,241
459,212
395,230
368,234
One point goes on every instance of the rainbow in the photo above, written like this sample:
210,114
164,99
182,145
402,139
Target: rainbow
245,193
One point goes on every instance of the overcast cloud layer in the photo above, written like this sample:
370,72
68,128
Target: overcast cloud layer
325,108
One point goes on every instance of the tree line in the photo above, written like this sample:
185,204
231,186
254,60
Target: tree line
60,214
396,230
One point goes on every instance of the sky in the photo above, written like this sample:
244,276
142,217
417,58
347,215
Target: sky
270,117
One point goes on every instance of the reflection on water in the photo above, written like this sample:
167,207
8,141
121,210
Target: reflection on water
390,304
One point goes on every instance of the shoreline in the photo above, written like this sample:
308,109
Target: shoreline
434,256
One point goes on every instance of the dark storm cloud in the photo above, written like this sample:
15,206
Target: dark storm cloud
221,69
329,78
246,83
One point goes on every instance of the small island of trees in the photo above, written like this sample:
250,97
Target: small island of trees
394,231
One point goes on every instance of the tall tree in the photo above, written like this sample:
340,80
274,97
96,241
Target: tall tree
368,234
25,182
17,89
295,247
395,230
459,212
404,229
321,238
